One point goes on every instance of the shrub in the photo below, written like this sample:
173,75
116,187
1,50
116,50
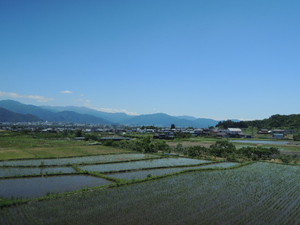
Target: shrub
196,151
222,148
258,152
145,144
179,148
296,137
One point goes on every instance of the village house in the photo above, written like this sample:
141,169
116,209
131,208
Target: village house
235,132
278,134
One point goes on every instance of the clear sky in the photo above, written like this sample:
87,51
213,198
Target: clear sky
205,58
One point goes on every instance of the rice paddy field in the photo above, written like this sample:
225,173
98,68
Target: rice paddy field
112,186
155,163
259,193
75,160
142,174
16,171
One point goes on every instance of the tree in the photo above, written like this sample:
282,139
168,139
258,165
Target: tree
78,133
222,148
173,126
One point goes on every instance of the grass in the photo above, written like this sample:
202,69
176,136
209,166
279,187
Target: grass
28,147
283,148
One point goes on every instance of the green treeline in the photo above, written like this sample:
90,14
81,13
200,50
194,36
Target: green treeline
275,121
145,144
223,149
228,150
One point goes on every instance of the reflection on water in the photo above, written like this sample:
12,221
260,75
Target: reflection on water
158,172
40,186
75,160
262,142
165,162
12,171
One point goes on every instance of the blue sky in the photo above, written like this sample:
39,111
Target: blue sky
204,58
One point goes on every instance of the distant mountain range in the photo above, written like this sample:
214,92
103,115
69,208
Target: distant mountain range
113,117
13,111
165,120
9,116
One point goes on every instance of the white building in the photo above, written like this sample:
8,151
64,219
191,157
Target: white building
234,131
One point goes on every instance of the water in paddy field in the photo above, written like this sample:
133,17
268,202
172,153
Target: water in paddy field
262,142
13,171
75,160
40,186
165,162
158,172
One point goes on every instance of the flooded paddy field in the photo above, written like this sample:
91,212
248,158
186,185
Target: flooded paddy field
260,193
16,171
158,172
30,182
40,186
164,162
77,160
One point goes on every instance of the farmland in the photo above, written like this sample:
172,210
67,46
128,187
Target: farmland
27,147
110,185
260,193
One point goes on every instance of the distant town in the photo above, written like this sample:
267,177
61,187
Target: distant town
125,131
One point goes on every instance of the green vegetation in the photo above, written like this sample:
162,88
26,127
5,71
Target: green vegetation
228,150
144,144
25,146
275,121
296,137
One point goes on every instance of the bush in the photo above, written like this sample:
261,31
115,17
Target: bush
222,148
286,159
179,148
296,137
161,145
258,152
196,151
146,145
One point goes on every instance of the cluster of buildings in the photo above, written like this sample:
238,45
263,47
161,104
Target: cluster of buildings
159,133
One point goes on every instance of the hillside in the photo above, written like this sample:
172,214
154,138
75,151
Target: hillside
113,117
72,117
164,120
276,121
73,114
9,116
47,115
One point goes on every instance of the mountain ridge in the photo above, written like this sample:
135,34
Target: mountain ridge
86,115
9,116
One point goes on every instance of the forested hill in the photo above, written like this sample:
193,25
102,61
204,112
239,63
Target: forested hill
275,121
9,116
